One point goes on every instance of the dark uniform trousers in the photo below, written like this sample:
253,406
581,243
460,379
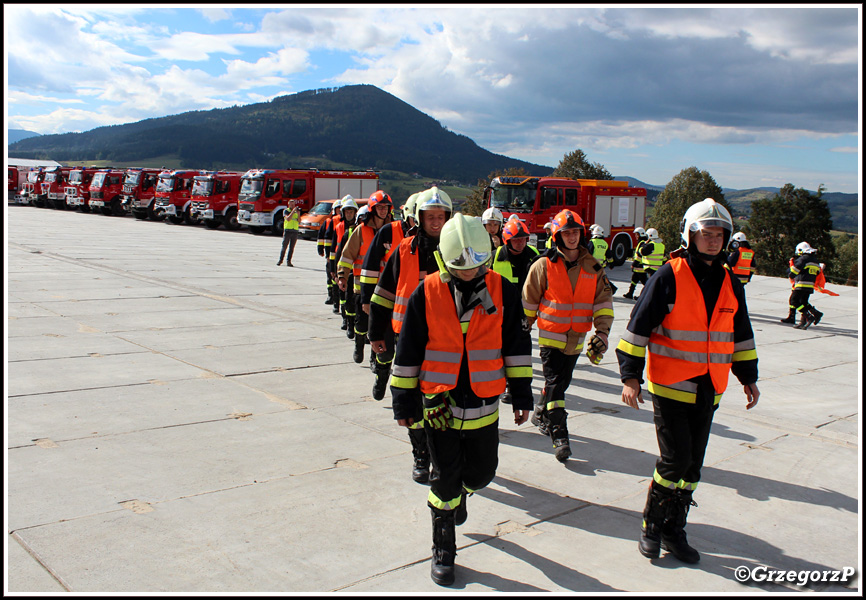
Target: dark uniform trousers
558,370
683,430
799,299
462,458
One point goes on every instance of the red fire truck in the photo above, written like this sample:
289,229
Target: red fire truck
215,198
78,188
16,178
27,193
265,193
536,200
173,196
106,188
139,189
53,187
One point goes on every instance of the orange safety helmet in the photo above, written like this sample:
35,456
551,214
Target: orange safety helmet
379,197
514,228
567,219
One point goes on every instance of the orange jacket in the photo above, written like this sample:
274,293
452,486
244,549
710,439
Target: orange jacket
562,308
410,277
743,268
685,346
483,341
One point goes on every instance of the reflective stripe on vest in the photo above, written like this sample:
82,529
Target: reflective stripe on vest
367,234
562,308
599,250
483,341
657,258
637,260
292,223
684,346
408,280
743,268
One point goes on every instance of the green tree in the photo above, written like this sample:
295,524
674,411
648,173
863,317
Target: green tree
844,268
778,224
575,165
475,203
687,187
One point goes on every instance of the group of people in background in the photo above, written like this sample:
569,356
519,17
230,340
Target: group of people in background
447,303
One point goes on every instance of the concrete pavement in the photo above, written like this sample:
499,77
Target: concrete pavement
184,416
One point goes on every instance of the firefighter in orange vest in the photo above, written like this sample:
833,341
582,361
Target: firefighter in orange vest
323,246
462,339
567,291
741,258
379,206
689,354
412,261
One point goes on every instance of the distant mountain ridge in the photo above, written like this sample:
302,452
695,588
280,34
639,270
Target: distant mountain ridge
16,135
358,125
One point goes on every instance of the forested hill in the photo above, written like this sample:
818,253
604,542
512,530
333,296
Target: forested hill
359,125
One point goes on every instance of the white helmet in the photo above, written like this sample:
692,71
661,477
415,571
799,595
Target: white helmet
597,231
706,213
492,214
348,203
640,232
739,237
548,225
804,248
408,207
363,213
653,234
347,198
432,198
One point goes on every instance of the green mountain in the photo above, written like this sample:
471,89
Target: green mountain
19,134
357,125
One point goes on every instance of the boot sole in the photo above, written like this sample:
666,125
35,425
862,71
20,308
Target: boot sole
687,560
647,553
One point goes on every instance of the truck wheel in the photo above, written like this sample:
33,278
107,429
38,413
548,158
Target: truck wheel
256,230
188,218
140,215
621,251
212,224
116,207
84,208
105,210
230,220
175,220
152,214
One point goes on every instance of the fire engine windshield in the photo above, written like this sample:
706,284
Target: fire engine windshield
75,177
50,177
98,180
512,198
251,188
132,177
32,176
166,184
202,187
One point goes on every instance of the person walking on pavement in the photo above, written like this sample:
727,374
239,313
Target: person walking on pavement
291,221
652,253
405,269
601,252
803,272
342,230
741,258
638,272
567,292
323,247
492,220
451,375
379,208
689,354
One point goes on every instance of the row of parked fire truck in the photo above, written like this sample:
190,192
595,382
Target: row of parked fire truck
258,197
229,199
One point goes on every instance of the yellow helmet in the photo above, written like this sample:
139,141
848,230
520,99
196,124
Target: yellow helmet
464,243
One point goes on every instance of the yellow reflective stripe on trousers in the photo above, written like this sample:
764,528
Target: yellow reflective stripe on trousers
434,500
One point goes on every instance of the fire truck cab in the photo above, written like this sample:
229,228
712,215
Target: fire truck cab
106,188
139,189
78,188
27,193
215,198
174,196
536,200
265,193
16,178
53,187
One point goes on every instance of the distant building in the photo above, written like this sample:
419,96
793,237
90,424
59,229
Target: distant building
28,163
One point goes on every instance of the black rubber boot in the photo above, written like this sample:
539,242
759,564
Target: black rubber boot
653,518
345,324
381,383
561,446
350,328
444,547
420,455
358,354
805,321
630,293
815,315
790,318
461,513
673,529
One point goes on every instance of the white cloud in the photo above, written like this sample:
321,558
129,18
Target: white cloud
215,14
17,97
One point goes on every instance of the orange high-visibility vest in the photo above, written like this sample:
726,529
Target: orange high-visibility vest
410,277
743,268
367,235
684,346
562,308
483,341
396,238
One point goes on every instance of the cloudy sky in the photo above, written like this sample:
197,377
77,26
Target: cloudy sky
755,96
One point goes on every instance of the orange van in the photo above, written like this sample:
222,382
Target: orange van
311,221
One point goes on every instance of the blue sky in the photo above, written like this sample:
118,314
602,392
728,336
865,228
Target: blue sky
757,96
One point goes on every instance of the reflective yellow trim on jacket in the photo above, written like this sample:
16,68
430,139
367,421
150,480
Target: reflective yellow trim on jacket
681,391
631,349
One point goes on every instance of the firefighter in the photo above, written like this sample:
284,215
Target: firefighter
323,247
405,269
741,258
652,253
492,220
803,272
451,375
689,355
342,230
601,252
378,214
291,222
567,292
638,272
548,243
